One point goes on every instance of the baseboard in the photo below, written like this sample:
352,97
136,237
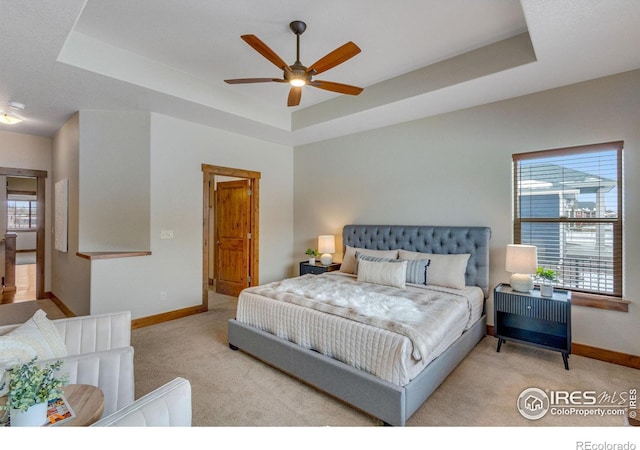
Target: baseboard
165,317
141,322
610,356
60,304
622,359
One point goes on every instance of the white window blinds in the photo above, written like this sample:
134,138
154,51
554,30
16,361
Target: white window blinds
568,203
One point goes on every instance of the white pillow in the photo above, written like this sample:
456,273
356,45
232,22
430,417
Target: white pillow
416,268
444,270
349,258
380,272
37,337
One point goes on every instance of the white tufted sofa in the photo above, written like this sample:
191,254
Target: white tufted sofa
99,353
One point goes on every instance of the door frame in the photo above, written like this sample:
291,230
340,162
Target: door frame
41,176
208,176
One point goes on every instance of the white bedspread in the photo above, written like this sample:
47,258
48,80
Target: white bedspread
389,332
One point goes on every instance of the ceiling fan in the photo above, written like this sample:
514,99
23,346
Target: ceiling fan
298,75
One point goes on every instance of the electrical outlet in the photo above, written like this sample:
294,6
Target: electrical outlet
166,234
163,295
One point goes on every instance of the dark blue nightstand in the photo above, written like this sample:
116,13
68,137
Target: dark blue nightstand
533,319
317,268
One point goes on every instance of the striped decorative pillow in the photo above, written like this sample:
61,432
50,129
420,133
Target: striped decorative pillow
416,269
349,259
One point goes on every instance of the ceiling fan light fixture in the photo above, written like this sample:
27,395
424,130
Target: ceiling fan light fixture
299,75
10,119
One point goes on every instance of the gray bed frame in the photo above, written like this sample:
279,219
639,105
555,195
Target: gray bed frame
390,403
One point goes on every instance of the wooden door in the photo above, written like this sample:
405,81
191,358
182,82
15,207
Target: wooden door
232,220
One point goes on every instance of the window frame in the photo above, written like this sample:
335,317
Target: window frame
611,300
33,215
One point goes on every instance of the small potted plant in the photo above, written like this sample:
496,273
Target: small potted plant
313,254
30,389
547,277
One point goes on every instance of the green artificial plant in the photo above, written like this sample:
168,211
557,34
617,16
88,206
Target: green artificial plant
30,384
546,275
312,252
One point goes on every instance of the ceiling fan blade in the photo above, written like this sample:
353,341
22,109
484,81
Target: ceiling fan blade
252,80
336,87
294,96
265,51
338,56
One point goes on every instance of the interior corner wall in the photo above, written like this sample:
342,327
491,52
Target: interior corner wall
70,274
24,151
114,181
456,169
171,277
3,226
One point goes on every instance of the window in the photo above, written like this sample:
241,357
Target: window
568,203
21,214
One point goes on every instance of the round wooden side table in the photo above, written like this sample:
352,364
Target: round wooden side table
87,403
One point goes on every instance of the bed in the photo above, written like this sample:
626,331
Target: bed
287,324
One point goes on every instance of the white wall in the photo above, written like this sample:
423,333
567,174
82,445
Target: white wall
23,151
70,273
25,240
177,151
114,181
455,169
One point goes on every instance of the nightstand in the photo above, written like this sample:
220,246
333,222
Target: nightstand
530,318
317,268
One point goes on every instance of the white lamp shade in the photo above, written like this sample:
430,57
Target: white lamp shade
521,258
521,261
326,246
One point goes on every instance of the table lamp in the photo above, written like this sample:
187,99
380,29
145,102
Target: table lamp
326,246
521,261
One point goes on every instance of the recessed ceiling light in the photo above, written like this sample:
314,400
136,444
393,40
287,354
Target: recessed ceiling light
10,119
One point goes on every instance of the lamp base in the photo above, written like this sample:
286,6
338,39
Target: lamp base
326,259
521,282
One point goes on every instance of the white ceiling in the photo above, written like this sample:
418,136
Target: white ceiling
419,58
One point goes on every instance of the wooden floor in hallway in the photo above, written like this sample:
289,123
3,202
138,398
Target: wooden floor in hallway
25,285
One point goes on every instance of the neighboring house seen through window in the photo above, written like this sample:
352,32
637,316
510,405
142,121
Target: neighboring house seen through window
21,214
568,203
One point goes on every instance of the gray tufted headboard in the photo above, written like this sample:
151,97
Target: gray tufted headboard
429,239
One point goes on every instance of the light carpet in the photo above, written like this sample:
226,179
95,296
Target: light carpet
20,312
231,388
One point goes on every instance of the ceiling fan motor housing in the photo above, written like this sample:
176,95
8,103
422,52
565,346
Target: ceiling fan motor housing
298,72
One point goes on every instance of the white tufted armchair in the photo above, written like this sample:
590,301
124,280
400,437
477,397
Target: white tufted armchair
166,406
99,353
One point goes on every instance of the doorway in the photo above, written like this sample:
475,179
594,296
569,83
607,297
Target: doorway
230,230
27,187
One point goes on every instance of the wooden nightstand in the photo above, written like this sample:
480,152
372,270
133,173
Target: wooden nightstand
317,268
533,319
